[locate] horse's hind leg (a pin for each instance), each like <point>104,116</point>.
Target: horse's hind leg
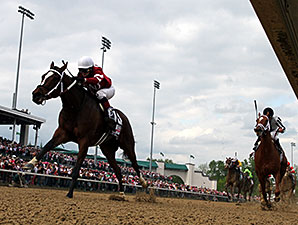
<point>109,150</point>
<point>129,151</point>
<point>127,144</point>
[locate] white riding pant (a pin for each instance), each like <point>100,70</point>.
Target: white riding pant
<point>106,92</point>
<point>274,134</point>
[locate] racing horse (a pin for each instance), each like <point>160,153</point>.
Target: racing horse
<point>287,186</point>
<point>248,187</point>
<point>268,160</point>
<point>82,121</point>
<point>233,179</point>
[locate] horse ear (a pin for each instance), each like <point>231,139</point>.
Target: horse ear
<point>64,66</point>
<point>52,65</point>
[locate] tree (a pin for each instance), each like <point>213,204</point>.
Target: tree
<point>170,161</point>
<point>177,179</point>
<point>217,172</point>
<point>204,168</point>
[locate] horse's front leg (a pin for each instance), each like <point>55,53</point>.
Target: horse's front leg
<point>264,200</point>
<point>83,149</point>
<point>232,191</point>
<point>59,137</point>
<point>227,188</point>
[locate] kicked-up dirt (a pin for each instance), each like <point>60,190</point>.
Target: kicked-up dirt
<point>48,206</point>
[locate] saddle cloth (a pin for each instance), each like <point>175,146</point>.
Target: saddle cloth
<point>118,121</point>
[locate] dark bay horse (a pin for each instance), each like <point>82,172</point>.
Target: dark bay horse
<point>233,178</point>
<point>267,159</point>
<point>82,121</point>
<point>248,187</point>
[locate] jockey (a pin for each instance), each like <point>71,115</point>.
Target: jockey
<point>250,176</point>
<point>276,127</point>
<point>100,85</point>
<point>291,173</point>
<point>249,173</point>
<point>238,165</point>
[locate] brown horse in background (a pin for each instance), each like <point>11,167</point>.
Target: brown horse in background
<point>267,159</point>
<point>287,186</point>
<point>233,178</point>
<point>82,121</point>
<point>248,187</point>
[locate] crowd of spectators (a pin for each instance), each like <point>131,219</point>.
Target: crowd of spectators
<point>13,156</point>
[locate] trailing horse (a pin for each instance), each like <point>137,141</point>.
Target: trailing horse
<point>268,160</point>
<point>233,179</point>
<point>82,121</point>
<point>287,187</point>
<point>248,187</point>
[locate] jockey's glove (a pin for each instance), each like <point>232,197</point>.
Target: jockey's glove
<point>79,79</point>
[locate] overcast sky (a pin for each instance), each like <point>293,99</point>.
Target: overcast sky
<point>212,59</point>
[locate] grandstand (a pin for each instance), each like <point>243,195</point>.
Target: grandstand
<point>56,168</point>
<point>23,118</point>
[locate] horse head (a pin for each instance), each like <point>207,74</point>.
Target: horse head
<point>262,125</point>
<point>49,82</point>
<point>228,163</point>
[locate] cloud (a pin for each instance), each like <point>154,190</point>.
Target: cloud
<point>212,60</point>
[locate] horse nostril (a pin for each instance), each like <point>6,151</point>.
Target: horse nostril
<point>36,97</point>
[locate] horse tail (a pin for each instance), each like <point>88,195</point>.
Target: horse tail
<point>126,137</point>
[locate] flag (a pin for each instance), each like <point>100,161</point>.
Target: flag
<point>191,156</point>
<point>161,154</point>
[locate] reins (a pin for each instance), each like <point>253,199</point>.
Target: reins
<point>264,128</point>
<point>60,82</point>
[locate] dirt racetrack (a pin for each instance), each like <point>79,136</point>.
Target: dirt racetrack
<point>44,206</point>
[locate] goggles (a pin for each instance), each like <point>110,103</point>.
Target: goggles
<point>82,70</point>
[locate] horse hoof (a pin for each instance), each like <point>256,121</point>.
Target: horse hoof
<point>263,202</point>
<point>277,199</point>
<point>69,195</point>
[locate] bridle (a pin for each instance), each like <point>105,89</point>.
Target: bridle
<point>260,128</point>
<point>52,72</point>
<point>229,164</point>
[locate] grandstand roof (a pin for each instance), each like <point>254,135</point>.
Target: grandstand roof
<point>119,160</point>
<point>174,166</point>
<point>146,164</point>
<point>7,117</point>
<point>279,19</point>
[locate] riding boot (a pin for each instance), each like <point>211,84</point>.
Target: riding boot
<point>109,116</point>
<point>278,146</point>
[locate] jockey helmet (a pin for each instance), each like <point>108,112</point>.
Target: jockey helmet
<point>85,62</point>
<point>268,110</point>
